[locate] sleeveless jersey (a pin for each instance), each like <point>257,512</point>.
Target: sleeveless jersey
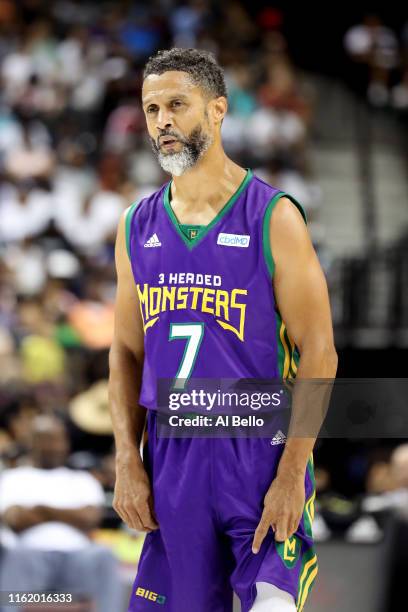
<point>207,304</point>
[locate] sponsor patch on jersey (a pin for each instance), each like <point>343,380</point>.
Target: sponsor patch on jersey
<point>233,240</point>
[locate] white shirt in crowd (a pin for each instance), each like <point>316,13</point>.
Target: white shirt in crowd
<point>61,487</point>
<point>88,230</point>
<point>21,220</point>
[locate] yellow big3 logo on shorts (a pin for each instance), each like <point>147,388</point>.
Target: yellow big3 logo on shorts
<point>151,595</point>
<point>289,551</point>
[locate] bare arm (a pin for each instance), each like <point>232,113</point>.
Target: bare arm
<point>302,298</point>
<point>85,518</point>
<point>132,498</point>
<point>20,518</point>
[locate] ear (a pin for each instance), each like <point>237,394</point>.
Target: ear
<point>218,108</point>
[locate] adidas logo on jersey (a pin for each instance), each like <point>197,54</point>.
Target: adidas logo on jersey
<point>153,242</point>
<point>279,438</point>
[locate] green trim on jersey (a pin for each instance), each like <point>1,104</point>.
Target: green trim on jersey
<point>280,345</point>
<point>309,567</point>
<point>307,576</point>
<point>191,231</point>
<point>206,228</point>
<point>266,224</point>
<point>128,220</point>
<point>288,354</point>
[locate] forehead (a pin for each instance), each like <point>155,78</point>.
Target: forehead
<point>168,84</point>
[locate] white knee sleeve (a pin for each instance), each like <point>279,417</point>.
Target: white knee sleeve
<point>271,599</point>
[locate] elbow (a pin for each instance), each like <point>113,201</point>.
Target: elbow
<point>333,359</point>
<point>322,351</point>
<point>328,356</point>
<point>120,353</point>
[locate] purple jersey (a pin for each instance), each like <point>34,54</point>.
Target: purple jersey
<point>208,304</point>
<point>209,311</point>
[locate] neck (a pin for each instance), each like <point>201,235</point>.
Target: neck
<point>210,182</point>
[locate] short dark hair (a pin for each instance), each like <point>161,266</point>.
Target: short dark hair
<point>201,65</point>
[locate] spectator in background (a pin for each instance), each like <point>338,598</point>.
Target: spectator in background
<point>51,510</point>
<point>236,26</point>
<point>391,486</point>
<point>70,55</point>
<point>388,483</point>
<point>122,125</point>
<point>373,47</point>
<point>281,90</point>
<point>241,100</point>
<point>92,317</point>
<point>29,158</point>
<point>186,22</point>
<point>26,268</point>
<point>17,414</point>
<point>74,174</point>
<point>25,211</point>
<point>16,70</point>
<point>87,222</point>
<point>399,93</point>
<point>399,473</point>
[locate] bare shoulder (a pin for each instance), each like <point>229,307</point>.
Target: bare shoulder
<point>286,217</point>
<point>290,241</point>
<point>128,328</point>
<point>121,253</point>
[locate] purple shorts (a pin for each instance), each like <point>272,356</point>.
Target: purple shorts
<point>208,497</point>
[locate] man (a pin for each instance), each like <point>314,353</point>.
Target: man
<point>190,303</point>
<point>51,510</point>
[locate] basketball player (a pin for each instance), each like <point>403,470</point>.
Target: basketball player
<point>217,278</point>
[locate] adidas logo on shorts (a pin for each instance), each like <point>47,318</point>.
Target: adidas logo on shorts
<point>153,242</point>
<point>279,438</point>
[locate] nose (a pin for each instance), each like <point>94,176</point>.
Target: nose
<point>164,120</point>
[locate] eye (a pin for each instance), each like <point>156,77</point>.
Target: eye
<point>177,103</point>
<point>151,109</point>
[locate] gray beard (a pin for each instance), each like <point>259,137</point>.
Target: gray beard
<point>193,149</point>
<point>177,163</point>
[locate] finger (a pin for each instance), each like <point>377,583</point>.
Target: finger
<point>127,516</point>
<point>294,526</point>
<point>261,532</point>
<point>117,508</point>
<point>135,519</point>
<point>152,510</point>
<point>122,514</point>
<point>282,529</point>
<point>146,517</point>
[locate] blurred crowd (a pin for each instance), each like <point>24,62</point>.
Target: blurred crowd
<point>74,154</point>
<point>379,56</point>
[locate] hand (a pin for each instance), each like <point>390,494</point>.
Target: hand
<point>133,499</point>
<point>283,509</point>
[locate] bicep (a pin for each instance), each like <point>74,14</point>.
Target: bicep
<point>128,324</point>
<point>299,283</point>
